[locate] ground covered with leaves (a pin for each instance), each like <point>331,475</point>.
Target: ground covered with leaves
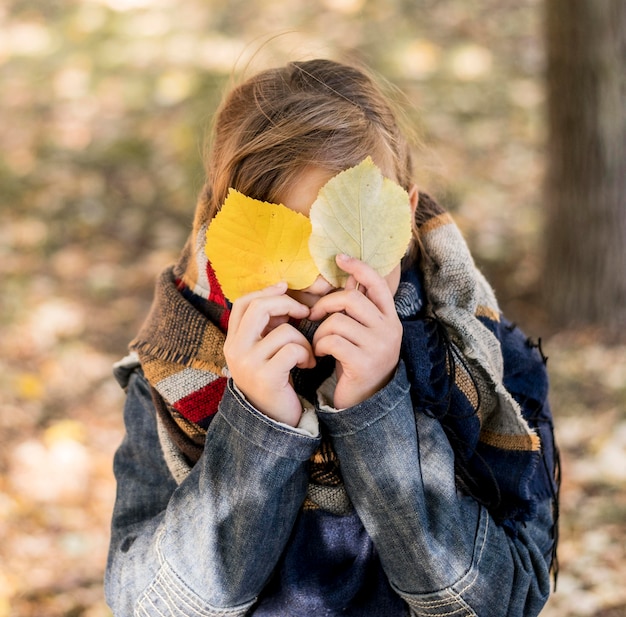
<point>104,104</point>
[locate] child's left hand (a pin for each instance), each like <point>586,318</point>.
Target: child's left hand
<point>362,332</point>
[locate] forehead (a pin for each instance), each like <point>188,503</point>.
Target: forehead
<point>303,191</point>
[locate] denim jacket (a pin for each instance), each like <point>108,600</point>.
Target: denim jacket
<point>232,539</point>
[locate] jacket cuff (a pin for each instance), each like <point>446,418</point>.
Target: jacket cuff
<point>263,432</point>
<point>354,419</point>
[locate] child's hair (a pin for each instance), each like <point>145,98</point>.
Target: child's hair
<point>318,112</point>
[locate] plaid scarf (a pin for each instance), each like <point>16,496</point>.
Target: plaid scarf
<point>180,347</point>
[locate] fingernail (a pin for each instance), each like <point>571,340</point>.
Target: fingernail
<point>343,257</point>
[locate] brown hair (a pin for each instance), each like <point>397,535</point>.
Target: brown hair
<point>278,122</point>
<point>318,112</point>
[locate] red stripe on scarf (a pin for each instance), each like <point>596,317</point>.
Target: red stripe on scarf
<point>217,295</point>
<point>203,403</point>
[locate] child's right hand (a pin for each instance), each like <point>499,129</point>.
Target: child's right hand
<point>261,348</point>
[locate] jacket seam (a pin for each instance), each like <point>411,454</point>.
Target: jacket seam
<point>473,572</point>
<point>171,590</point>
<point>368,423</point>
<point>302,440</point>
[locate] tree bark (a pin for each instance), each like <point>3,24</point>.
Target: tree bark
<point>585,234</point>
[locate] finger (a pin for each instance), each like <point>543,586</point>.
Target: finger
<point>339,324</point>
<point>352,303</point>
<point>352,283</point>
<point>291,355</point>
<point>260,312</point>
<point>338,347</point>
<point>273,323</point>
<point>376,288</point>
<point>248,359</point>
<point>282,336</point>
<point>241,304</point>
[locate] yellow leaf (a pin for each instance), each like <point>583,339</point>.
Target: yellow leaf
<point>252,244</point>
<point>30,387</point>
<point>65,430</point>
<point>364,215</point>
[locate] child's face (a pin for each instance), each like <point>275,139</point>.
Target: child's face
<point>300,197</point>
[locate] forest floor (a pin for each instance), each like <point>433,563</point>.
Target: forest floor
<point>102,106</point>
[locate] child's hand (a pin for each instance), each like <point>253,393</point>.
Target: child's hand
<point>261,348</point>
<point>363,333</point>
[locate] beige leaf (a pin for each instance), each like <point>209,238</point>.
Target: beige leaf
<point>364,215</point>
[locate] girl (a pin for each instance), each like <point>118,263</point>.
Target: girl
<point>382,450</point>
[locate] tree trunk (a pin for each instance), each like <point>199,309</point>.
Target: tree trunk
<point>585,268</point>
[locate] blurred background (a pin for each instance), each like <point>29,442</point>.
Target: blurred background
<point>104,105</point>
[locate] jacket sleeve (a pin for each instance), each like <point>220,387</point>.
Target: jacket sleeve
<point>208,545</point>
<point>441,550</point>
